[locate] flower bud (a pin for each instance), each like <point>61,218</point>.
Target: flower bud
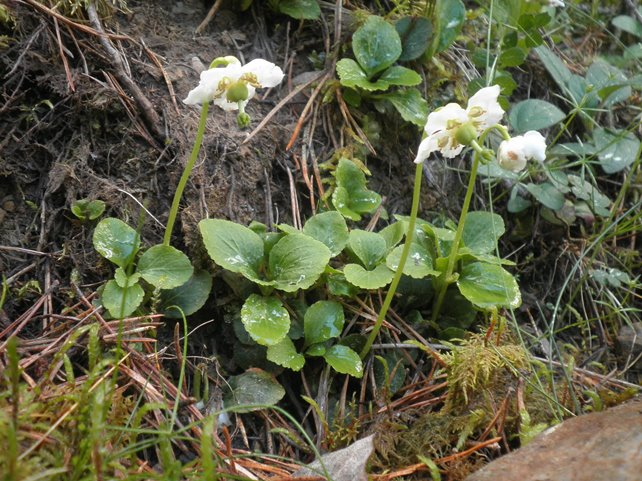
<point>513,154</point>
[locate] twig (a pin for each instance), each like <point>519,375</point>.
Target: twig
<point>280,105</point>
<point>209,16</point>
<point>149,114</point>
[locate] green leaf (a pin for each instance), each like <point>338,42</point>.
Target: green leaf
<point>254,386</point>
<point>86,209</point>
<point>376,45</point>
<point>233,246</point>
<point>344,360</point>
<point>323,321</point>
<point>547,195</point>
<point>300,9</point>
<point>512,57</point>
<point>410,104</point>
<point>189,297</point>
<point>401,76</point>
<point>284,354</point>
<point>339,286</point>
<point>297,261</point>
<point>353,76</point>
<point>123,280</point>
<point>482,230</point>
<point>609,83</point>
<point>121,302</point>
<point>616,150</point>
<point>116,241</point>
<point>329,228</point>
<point>393,234</point>
<point>265,319</point>
<point>534,114</point>
<point>584,190</point>
<point>165,267</point>
<point>379,277</point>
<point>351,197</point>
<point>317,350</point>
<point>489,286</point>
<point>568,82</point>
<point>628,24</point>
<point>517,203</point>
<point>369,247</point>
<point>450,17</point>
<point>419,263</point>
<point>415,33</point>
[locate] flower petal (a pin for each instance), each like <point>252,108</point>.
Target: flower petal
<point>208,86</point>
<point>267,74</point>
<point>486,101</point>
<point>511,155</point>
<point>427,147</point>
<point>438,120</point>
<point>535,145</point>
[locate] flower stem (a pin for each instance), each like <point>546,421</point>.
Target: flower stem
<point>402,262</point>
<point>186,173</point>
<point>448,275</point>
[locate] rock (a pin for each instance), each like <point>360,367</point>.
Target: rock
<point>629,341</point>
<point>347,464</point>
<point>597,446</point>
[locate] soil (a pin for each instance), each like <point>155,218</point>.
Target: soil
<point>71,130</point>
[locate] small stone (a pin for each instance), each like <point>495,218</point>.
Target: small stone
<point>629,341</point>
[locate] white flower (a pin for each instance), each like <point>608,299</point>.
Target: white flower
<point>232,86</point>
<point>443,128</point>
<point>513,154</point>
<point>555,3</point>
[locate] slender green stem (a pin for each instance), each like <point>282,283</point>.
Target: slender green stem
<point>402,262</point>
<point>173,212</point>
<point>448,275</point>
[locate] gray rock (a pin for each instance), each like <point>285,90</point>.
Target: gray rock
<point>601,446</point>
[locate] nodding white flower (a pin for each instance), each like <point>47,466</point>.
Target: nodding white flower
<point>513,154</point>
<point>232,86</point>
<point>452,127</point>
<point>555,3</point>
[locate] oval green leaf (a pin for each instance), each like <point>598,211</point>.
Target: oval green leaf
<point>188,298</point>
<point>410,104</point>
<point>369,247</point>
<point>489,286</point>
<point>616,150</point>
<point>253,387</point>
<point>482,230</point>
<point>353,76</point>
<point>284,354</point>
<point>233,246</point>
<point>547,195</point>
<point>415,33</point>
<point>121,302</point>
<point>351,197</point>
<point>401,76</point>
<point>376,45</point>
<point>329,228</point>
<point>534,114</point>
<point>379,277</point>
<point>300,9</point>
<point>344,360</point>
<point>418,265</point>
<point>165,267</point>
<point>116,241</point>
<point>297,261</point>
<point>322,321</point>
<point>265,319</point>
